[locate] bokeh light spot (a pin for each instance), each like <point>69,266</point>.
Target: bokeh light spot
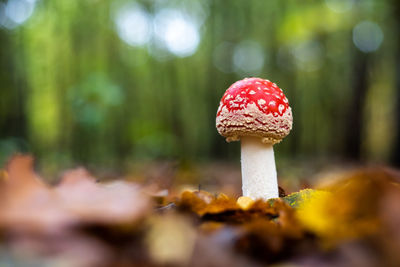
<point>178,32</point>
<point>308,55</point>
<point>367,36</point>
<point>340,6</point>
<point>133,24</point>
<point>16,12</point>
<point>249,57</point>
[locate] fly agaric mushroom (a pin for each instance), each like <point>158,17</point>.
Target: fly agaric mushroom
<point>256,112</point>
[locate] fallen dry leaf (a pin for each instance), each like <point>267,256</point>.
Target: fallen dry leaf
<point>27,203</point>
<point>112,202</point>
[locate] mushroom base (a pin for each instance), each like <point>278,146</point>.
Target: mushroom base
<point>259,178</point>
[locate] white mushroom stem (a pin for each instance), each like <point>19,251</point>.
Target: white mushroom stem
<point>259,179</point>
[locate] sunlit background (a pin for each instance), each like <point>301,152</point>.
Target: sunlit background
<point>112,83</point>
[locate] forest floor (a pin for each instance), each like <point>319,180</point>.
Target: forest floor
<point>162,215</point>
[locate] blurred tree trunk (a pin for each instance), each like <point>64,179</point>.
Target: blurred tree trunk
<point>354,122</point>
<point>396,147</point>
<point>12,97</point>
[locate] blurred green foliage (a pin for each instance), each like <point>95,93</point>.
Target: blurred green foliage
<point>110,81</point>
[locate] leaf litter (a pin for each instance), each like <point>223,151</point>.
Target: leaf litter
<point>353,220</point>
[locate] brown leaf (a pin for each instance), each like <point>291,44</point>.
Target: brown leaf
<point>201,203</point>
<point>27,203</point>
<point>112,202</point>
<point>195,201</point>
<point>224,209</point>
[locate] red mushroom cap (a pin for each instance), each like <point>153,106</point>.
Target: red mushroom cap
<point>254,107</point>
